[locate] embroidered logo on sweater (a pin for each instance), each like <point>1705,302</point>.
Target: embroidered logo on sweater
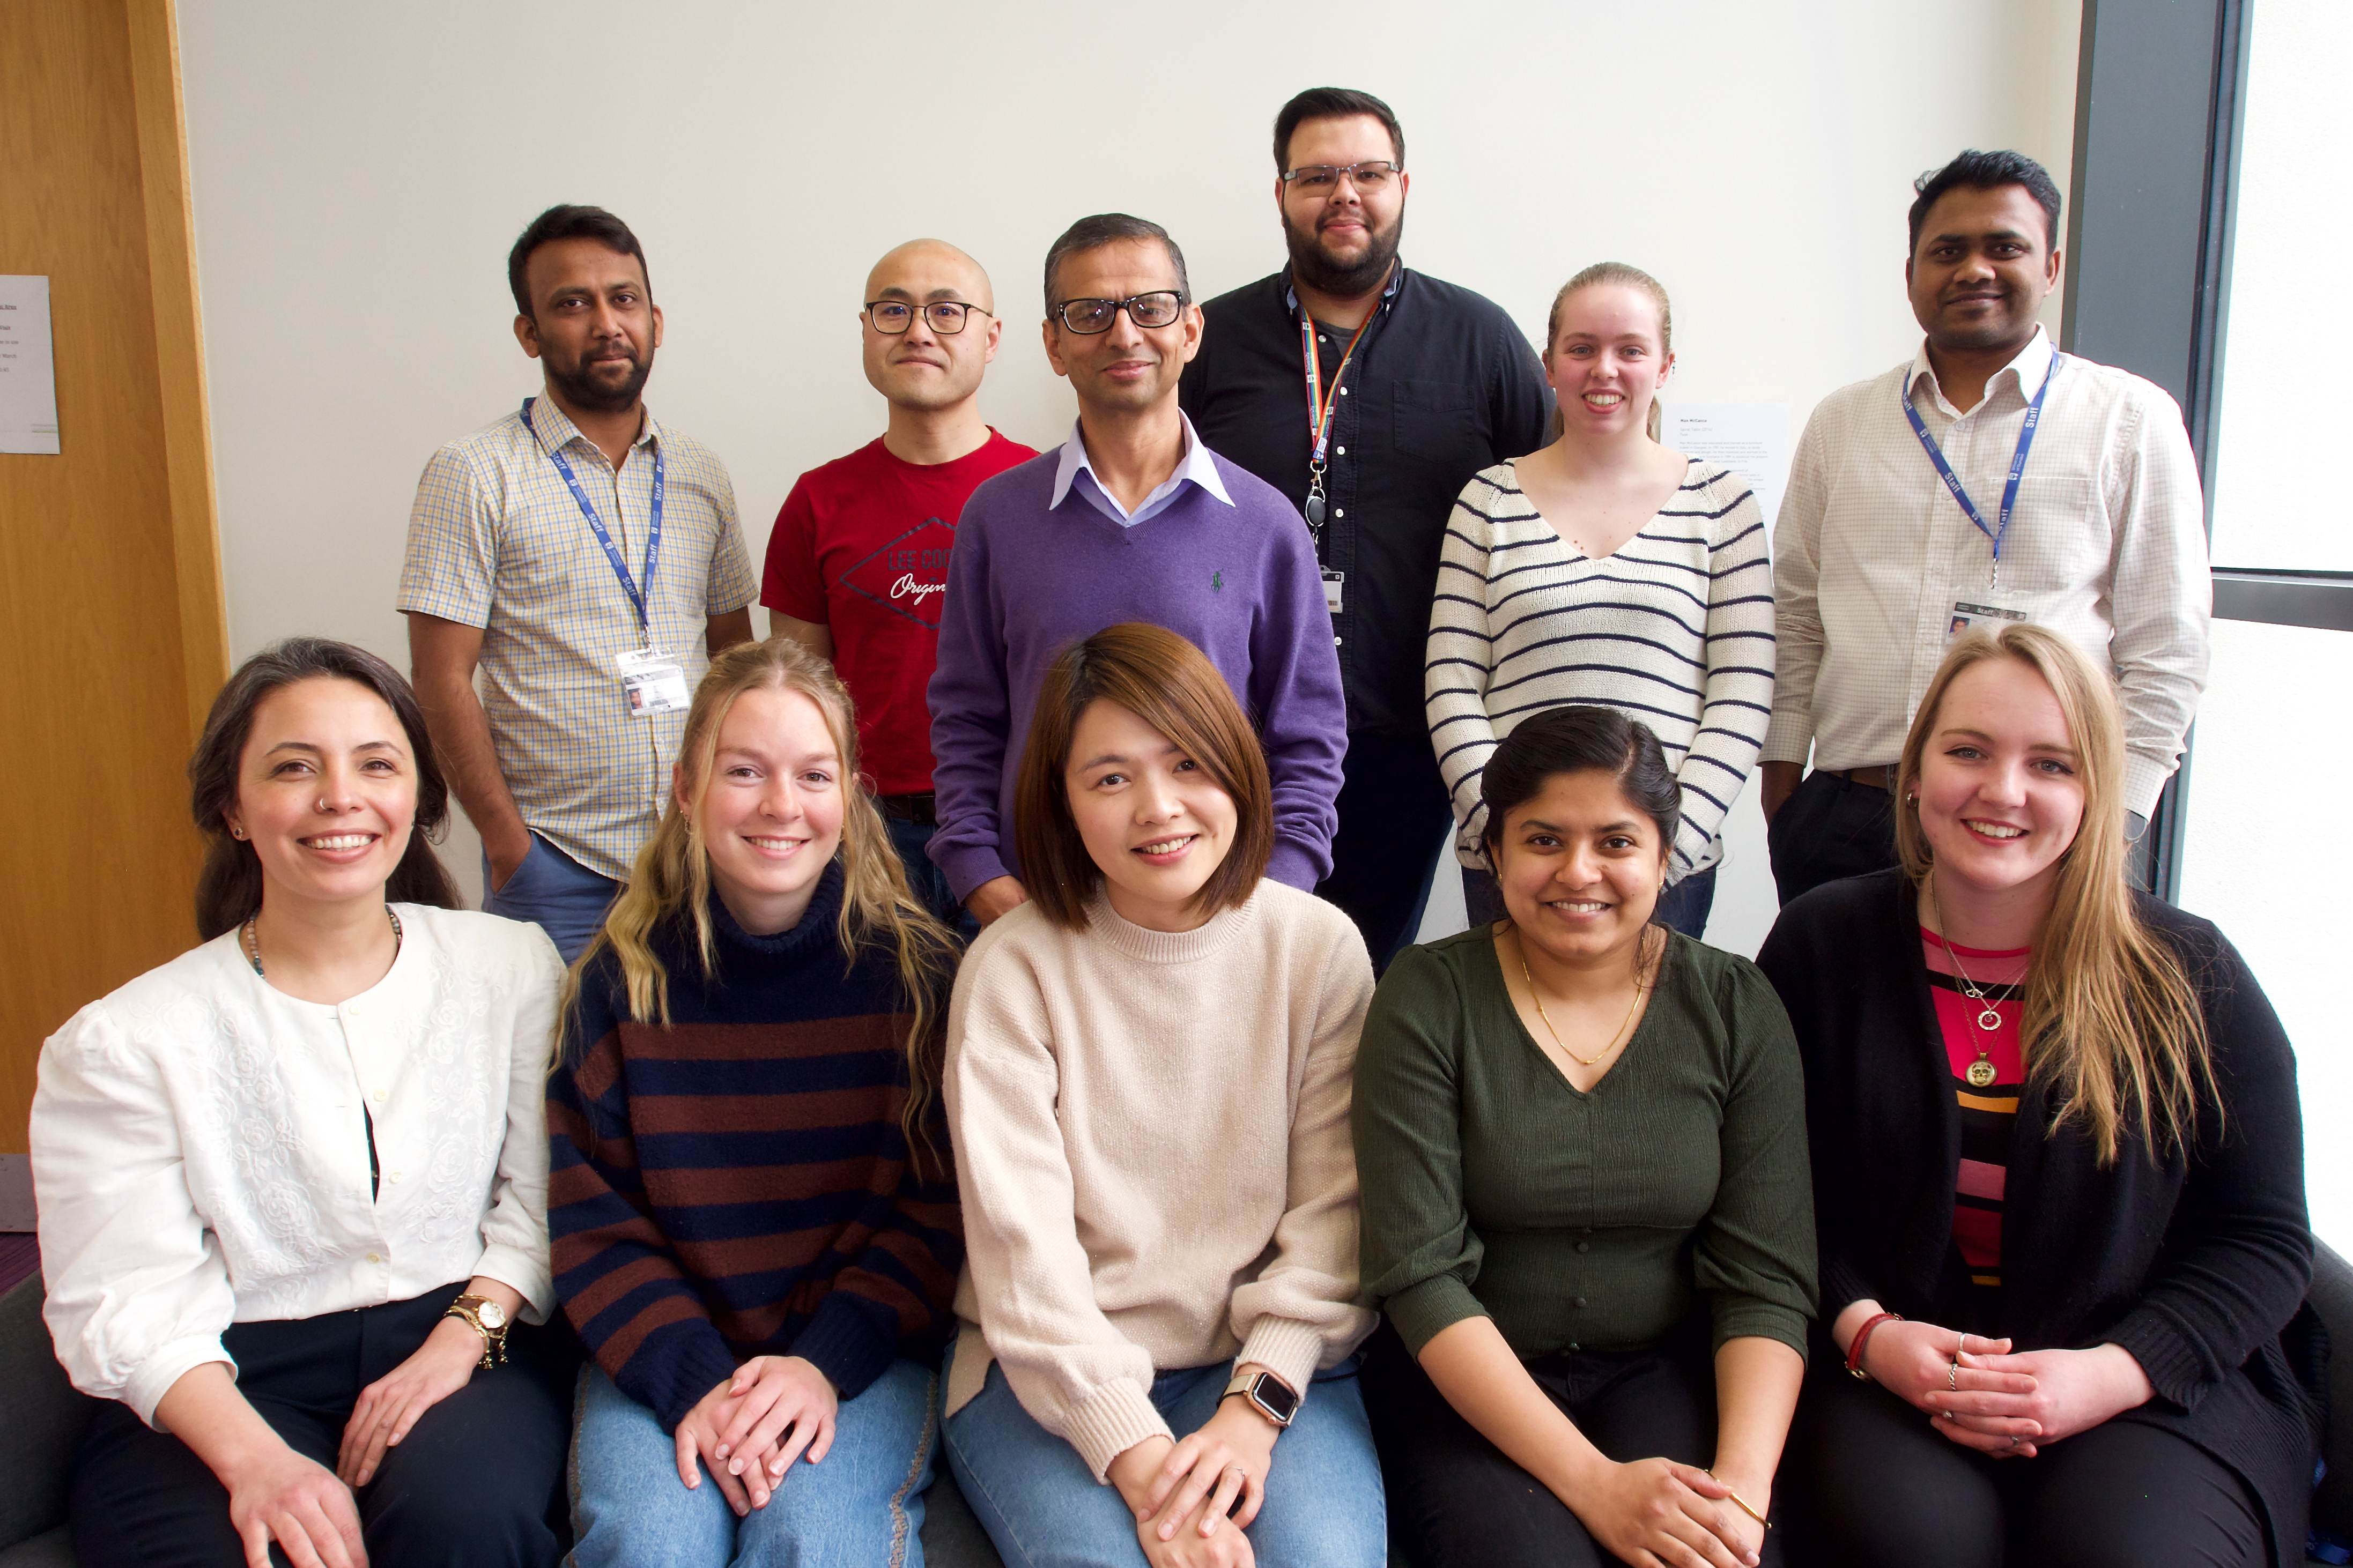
<point>909,574</point>
<point>1216,582</point>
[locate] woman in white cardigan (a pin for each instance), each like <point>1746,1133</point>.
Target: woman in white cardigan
<point>1147,1076</point>
<point>1610,571</point>
<point>292,1185</point>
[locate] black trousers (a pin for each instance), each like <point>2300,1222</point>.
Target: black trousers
<point>1887,1489</point>
<point>1828,828</point>
<point>1394,821</point>
<point>1461,1503</point>
<point>476,1483</point>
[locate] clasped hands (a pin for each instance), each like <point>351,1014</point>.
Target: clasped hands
<point>1982,1396</point>
<point>748,1430</point>
<point>1182,1492</point>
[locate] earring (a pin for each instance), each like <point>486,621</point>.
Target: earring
<point>237,833</point>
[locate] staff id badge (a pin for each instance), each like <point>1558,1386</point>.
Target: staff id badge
<point>653,681</point>
<point>1332,584</point>
<point>1989,612</point>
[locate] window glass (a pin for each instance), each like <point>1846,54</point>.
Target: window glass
<point>2262,750</point>
<point>2288,339</point>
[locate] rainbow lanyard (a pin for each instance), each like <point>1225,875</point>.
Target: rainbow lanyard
<point>1320,408</point>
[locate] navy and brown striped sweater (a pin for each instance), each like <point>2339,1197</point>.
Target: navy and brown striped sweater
<point>737,1185</point>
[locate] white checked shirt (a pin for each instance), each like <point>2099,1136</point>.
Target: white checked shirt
<point>2107,545</point>
<point>496,541</point>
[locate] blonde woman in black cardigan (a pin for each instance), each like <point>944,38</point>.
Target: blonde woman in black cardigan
<point>2058,1169</point>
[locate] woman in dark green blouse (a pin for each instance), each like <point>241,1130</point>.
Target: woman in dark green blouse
<point>1581,1138</point>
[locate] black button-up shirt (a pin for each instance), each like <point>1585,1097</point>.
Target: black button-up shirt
<point>1443,385</point>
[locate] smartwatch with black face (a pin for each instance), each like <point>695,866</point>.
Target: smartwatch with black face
<point>1268,1394</point>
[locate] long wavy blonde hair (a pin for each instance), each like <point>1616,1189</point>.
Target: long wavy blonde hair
<point>2108,1011</point>
<point>671,879</point>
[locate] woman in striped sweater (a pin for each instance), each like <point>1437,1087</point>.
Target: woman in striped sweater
<point>753,1221</point>
<point>1608,570</point>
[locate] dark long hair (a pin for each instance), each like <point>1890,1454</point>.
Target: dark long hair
<point>229,889</point>
<point>1578,739</point>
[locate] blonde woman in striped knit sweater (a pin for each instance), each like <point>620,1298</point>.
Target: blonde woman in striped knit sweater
<point>1606,569</point>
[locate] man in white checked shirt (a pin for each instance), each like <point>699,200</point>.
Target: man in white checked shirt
<point>586,561</point>
<point>1988,478</point>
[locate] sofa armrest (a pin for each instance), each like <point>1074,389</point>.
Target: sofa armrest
<point>46,1420</point>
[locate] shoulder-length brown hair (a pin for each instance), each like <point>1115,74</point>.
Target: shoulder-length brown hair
<point>229,889</point>
<point>1172,686</point>
<point>2110,1013</point>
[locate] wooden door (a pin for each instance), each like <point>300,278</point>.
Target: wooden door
<point>110,560</point>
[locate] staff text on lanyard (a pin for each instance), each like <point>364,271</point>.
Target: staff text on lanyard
<point>2016,463</point>
<point>652,681</point>
<point>1320,409</point>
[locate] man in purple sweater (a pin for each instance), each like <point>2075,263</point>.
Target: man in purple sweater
<point>1132,519</point>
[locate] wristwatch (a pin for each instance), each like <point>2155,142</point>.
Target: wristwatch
<point>1268,1394</point>
<point>486,1318</point>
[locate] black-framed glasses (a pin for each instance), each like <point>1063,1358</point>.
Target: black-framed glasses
<point>1319,179</point>
<point>945,317</point>
<point>1158,309</point>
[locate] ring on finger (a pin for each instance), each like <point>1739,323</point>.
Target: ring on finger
<point>1953,1375</point>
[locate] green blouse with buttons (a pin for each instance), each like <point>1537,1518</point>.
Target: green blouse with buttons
<point>1583,1221</point>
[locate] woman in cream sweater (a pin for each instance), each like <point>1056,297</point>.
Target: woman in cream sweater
<point>1147,1075</point>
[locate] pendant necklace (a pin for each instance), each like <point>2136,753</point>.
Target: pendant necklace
<point>1537,996</point>
<point>1981,1072</point>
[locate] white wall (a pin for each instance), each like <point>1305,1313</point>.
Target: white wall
<point>360,172</point>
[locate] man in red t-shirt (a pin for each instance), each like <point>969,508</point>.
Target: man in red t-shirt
<point>857,562</point>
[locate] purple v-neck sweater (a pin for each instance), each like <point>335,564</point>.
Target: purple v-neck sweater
<point>1025,581</point>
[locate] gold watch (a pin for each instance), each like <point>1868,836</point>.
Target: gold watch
<point>486,1318</point>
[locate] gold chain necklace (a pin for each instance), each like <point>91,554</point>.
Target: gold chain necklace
<point>1537,996</point>
<point>1981,1072</point>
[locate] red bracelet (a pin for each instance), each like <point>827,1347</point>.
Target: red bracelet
<point>1854,1346</point>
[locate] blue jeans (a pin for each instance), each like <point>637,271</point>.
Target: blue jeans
<point>862,1503</point>
<point>928,882</point>
<point>1041,1506</point>
<point>1683,906</point>
<point>555,892</point>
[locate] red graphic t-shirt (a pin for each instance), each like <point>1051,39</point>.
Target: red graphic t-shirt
<point>860,546</point>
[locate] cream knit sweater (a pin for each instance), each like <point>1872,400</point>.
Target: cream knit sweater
<point>1152,1142</point>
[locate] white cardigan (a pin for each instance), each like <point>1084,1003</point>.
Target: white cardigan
<point>200,1156</point>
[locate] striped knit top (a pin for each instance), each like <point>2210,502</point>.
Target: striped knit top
<point>737,1185</point>
<point>1674,628</point>
<point>1988,1100</point>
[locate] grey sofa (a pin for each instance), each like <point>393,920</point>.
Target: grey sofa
<point>42,1420</point>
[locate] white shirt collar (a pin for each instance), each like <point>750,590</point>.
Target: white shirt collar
<point>1197,465</point>
<point>2028,368</point>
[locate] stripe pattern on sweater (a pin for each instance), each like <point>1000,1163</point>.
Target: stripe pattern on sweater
<point>1674,628</point>
<point>737,1185</point>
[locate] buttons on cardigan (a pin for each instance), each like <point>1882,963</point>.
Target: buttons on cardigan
<point>1583,1246</point>
<point>1579,1303</point>
<point>374,1258</point>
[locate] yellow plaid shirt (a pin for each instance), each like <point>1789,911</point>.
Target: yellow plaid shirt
<point>496,541</point>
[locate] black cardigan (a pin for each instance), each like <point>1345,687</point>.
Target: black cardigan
<point>2197,1263</point>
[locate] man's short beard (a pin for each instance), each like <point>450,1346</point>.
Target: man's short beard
<point>584,392</point>
<point>1312,267</point>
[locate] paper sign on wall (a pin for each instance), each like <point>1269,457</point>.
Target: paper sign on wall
<point>1752,439</point>
<point>28,379</point>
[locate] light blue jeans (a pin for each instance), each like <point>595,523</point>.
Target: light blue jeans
<point>862,1503</point>
<point>555,892</point>
<point>1041,1506</point>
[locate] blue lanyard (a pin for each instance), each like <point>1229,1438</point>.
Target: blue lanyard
<point>2017,461</point>
<point>637,599</point>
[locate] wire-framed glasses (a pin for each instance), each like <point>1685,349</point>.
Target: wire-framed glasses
<point>1318,179</point>
<point>944,316</point>
<point>1158,309</point>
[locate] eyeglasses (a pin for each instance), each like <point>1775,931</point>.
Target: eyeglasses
<point>1088,317</point>
<point>1318,179</point>
<point>945,317</point>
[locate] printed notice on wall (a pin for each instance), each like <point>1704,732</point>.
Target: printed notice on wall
<point>28,380</point>
<point>1752,439</point>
